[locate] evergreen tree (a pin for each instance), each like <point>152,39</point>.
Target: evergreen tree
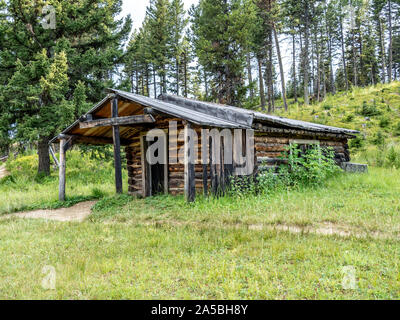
<point>178,23</point>
<point>221,33</point>
<point>51,66</point>
<point>158,27</point>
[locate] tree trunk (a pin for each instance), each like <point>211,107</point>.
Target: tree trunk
<point>278,52</point>
<point>250,75</point>
<point>147,81</point>
<point>269,75</point>
<point>294,69</point>
<point>164,81</point>
<point>354,59</point>
<point>318,82</point>
<point>177,76</point>
<point>44,157</point>
<point>390,43</point>
<point>206,83</point>
<point>306,59</point>
<point>137,80</point>
<point>344,56</point>
<point>186,76</point>
<point>261,84</point>
<point>331,76</point>
<point>382,45</point>
<point>154,83</point>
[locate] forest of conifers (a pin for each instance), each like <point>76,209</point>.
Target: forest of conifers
<point>227,51</point>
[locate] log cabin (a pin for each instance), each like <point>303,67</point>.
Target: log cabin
<point>124,119</point>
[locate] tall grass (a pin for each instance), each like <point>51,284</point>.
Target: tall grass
<point>369,110</point>
<point>86,178</point>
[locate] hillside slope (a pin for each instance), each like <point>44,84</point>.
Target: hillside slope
<point>368,110</point>
<point>374,111</point>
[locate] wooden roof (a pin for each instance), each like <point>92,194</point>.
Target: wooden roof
<point>196,112</point>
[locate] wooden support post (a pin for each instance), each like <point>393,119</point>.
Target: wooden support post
<point>213,168</point>
<point>189,174</point>
<point>205,139</point>
<point>54,156</point>
<point>227,155</point>
<point>117,148</point>
<point>61,186</point>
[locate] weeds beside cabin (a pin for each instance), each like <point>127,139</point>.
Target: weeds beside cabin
<point>125,119</point>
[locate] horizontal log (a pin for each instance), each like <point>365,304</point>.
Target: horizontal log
<point>269,139</point>
<point>269,154</point>
<point>267,129</point>
<point>78,139</point>
<point>120,121</point>
<point>267,160</point>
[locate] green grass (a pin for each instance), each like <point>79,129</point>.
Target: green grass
<point>123,261</point>
<point>368,203</point>
<point>369,110</point>
<point>165,248</point>
<point>86,179</point>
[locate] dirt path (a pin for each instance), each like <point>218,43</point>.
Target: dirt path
<point>77,213</point>
<point>322,229</point>
<point>327,229</point>
<point>3,171</point>
<point>81,211</point>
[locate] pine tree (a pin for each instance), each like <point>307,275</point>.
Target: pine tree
<point>178,23</point>
<point>48,64</point>
<point>220,35</point>
<point>158,27</point>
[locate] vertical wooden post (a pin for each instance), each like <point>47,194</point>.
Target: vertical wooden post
<point>205,158</point>
<point>117,148</point>
<point>228,160</point>
<point>61,172</point>
<point>213,166</point>
<point>189,174</point>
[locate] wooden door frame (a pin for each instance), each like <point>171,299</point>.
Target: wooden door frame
<point>146,173</point>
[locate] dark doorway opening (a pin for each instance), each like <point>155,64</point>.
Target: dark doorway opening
<point>156,175</point>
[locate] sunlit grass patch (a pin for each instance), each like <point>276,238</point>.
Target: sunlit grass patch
<point>86,179</point>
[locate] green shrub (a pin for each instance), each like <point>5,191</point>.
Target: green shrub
<point>310,169</point>
<point>7,180</point>
<point>357,143</point>
<point>369,110</point>
<point>384,122</point>
<point>349,118</point>
<point>98,193</point>
<point>23,166</point>
<point>396,131</point>
<point>378,139</point>
<point>392,158</point>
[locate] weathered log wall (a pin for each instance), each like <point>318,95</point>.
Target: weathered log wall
<point>272,147</point>
<point>175,171</point>
<point>269,147</point>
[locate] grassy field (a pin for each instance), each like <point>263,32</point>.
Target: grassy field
<point>164,248</point>
<point>374,111</point>
<point>227,248</point>
<point>369,110</point>
<point>24,190</point>
<point>367,203</point>
<point>125,261</point>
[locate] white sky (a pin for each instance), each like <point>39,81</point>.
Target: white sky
<point>137,9</point>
